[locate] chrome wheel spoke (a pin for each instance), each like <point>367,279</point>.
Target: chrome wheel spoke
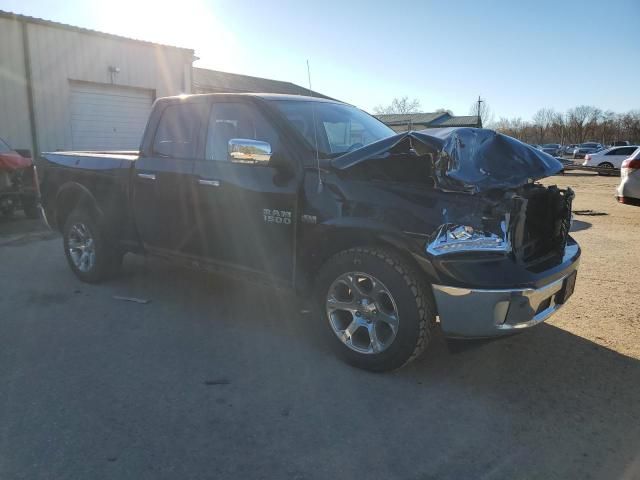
<point>356,288</point>
<point>351,329</point>
<point>390,319</point>
<point>375,343</point>
<point>335,304</point>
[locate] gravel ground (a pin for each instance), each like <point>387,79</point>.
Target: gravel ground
<point>220,379</point>
<point>605,308</point>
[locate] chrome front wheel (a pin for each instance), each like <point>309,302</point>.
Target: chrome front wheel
<point>362,312</point>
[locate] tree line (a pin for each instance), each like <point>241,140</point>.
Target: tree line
<point>577,125</point>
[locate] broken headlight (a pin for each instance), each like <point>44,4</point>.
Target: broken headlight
<point>452,238</point>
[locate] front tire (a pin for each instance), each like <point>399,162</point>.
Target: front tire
<point>90,254</point>
<point>377,309</point>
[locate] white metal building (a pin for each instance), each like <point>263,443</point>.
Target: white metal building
<point>64,87</point>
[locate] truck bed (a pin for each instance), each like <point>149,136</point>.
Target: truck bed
<point>104,175</point>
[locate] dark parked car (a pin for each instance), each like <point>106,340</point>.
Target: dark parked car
<point>383,231</point>
<point>584,148</point>
<point>554,149</point>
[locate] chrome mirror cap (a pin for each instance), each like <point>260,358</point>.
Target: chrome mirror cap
<point>245,150</point>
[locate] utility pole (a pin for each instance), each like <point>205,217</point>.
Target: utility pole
<point>479,103</point>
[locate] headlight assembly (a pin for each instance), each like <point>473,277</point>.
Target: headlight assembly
<point>452,238</point>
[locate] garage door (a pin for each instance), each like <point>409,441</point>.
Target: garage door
<point>107,117</point>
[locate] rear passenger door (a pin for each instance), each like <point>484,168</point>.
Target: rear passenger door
<point>245,211</point>
<point>164,187</point>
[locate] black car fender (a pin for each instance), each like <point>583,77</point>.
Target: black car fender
<point>336,235</point>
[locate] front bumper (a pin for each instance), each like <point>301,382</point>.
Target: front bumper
<point>482,313</point>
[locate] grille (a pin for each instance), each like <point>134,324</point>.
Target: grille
<point>547,223</point>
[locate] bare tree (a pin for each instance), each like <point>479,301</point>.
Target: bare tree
<point>542,121</point>
<point>581,122</point>
<point>558,128</point>
<point>483,110</point>
<point>399,105</point>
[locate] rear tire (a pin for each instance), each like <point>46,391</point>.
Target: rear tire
<point>371,296</point>
<point>30,207</point>
<point>90,254</point>
<point>8,210</point>
<point>605,165</point>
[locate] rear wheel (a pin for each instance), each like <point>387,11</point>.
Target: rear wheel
<point>89,252</point>
<point>30,207</point>
<point>377,309</point>
<point>606,165</point>
<point>7,208</point>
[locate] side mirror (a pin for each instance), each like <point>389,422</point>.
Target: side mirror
<point>244,150</point>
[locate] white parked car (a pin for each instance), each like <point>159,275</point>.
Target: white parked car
<point>609,157</point>
<point>629,189</point>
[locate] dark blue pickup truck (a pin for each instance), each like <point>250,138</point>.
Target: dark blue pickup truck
<point>387,233</point>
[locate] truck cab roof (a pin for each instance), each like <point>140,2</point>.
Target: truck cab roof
<point>263,96</point>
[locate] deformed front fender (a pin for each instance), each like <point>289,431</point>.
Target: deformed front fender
<point>336,235</point>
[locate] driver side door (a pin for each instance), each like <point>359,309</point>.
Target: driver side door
<point>245,210</point>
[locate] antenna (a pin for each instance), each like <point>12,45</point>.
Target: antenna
<point>315,131</point>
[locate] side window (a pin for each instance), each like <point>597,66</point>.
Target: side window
<point>626,151</point>
<point>178,130</point>
<point>235,120</point>
<point>343,135</point>
<point>615,151</point>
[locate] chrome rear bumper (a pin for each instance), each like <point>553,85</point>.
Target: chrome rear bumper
<point>477,313</point>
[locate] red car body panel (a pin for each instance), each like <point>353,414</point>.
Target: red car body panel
<point>13,161</point>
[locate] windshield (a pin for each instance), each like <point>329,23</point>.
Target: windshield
<point>340,128</point>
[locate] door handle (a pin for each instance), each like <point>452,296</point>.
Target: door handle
<point>209,183</point>
<point>147,176</point>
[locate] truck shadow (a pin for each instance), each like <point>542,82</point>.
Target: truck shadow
<point>579,225</point>
<point>545,403</point>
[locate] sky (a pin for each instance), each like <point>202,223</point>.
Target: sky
<point>518,55</point>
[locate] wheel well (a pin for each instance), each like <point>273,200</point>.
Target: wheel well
<point>71,197</point>
<point>332,243</point>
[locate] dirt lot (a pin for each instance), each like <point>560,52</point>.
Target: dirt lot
<point>219,379</point>
<point>606,306</point>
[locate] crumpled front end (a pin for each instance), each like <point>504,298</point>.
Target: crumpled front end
<point>510,270</point>
<point>499,257</point>
<point>469,160</point>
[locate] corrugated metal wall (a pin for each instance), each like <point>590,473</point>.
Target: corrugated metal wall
<point>14,106</point>
<point>60,56</point>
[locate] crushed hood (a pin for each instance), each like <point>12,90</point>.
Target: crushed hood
<point>465,159</point>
